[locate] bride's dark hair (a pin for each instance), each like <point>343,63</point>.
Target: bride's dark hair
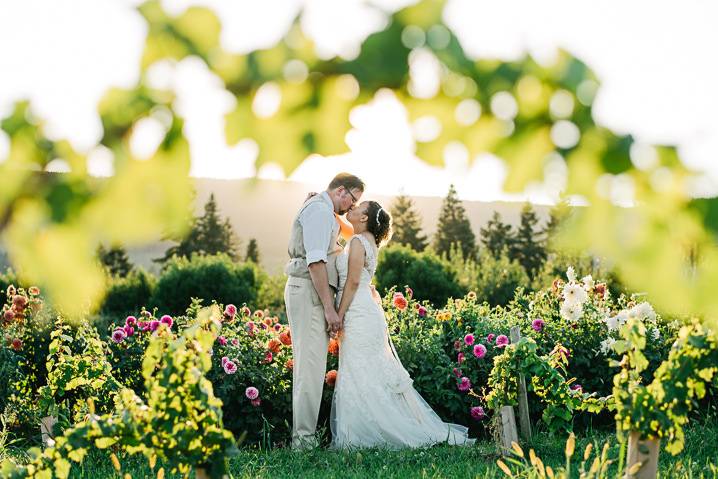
<point>379,222</point>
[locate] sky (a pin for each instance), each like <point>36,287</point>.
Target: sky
<point>655,60</point>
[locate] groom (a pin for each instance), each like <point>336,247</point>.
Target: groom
<point>309,296</point>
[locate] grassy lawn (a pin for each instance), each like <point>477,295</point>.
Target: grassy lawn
<point>697,460</point>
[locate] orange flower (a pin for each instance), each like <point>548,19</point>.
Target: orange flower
<point>400,301</point>
<point>289,364</point>
<point>268,321</point>
<point>274,345</point>
<point>331,377</point>
<point>285,338</point>
<point>334,347</point>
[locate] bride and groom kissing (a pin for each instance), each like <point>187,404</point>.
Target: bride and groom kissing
<point>329,294</point>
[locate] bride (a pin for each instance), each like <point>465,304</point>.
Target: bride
<point>374,402</point>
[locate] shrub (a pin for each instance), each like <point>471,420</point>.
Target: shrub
<point>497,279</point>
<point>207,277</point>
<point>128,294</point>
<point>431,278</point>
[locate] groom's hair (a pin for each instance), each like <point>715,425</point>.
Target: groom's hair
<point>348,181</point>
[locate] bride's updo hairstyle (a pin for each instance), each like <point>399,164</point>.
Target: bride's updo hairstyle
<point>379,222</point>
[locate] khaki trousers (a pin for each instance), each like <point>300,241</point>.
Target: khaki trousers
<point>309,347</point>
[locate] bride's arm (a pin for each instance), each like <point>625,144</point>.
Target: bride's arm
<point>356,263</point>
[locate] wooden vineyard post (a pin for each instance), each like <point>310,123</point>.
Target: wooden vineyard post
<point>524,420</point>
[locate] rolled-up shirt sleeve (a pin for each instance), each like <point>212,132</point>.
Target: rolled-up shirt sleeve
<point>317,224</point>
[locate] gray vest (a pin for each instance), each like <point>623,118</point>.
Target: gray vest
<point>297,265</point>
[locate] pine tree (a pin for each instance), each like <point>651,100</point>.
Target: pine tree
<point>114,260</point>
<point>558,214</point>
<point>497,236</point>
<point>529,244</point>
<point>454,227</point>
<point>406,224</point>
<point>252,251</point>
<point>209,235</point>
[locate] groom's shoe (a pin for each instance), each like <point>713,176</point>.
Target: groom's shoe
<point>304,443</point>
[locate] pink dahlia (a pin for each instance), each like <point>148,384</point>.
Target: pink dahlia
<point>129,330</point>
<point>460,358</point>
<point>131,321</point>
<point>490,338</point>
<point>252,393</point>
<point>479,351</point>
<point>9,315</point>
<point>256,402</point>
<point>229,367</point>
<point>268,357</point>
<point>225,359</point>
<point>422,311</point>
<point>230,310</point>
<point>235,342</point>
<point>576,387</point>
<point>277,327</point>
<point>457,372</point>
<point>118,335</point>
<point>469,339</point>
<point>502,341</point>
<point>478,413</point>
<point>537,324</point>
<point>143,325</point>
<point>154,324</point>
<point>457,345</point>
<point>409,292</point>
<point>167,319</point>
<point>464,384</point>
<point>222,340</point>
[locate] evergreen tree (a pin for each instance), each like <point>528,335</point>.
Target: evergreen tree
<point>497,236</point>
<point>529,244</point>
<point>252,251</point>
<point>454,227</point>
<point>558,214</point>
<point>114,260</point>
<point>406,224</point>
<point>209,235</point>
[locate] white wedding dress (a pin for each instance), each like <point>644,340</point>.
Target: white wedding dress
<point>374,403</point>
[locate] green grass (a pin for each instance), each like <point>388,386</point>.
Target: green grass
<point>696,461</point>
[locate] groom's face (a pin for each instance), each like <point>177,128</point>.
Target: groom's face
<point>347,199</point>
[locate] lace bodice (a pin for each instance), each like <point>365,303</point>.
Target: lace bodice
<point>370,262</point>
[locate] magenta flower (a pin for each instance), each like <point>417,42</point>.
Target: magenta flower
<point>263,325</point>
<point>537,324</point>
<point>490,338</point>
<point>464,384</point>
<point>256,402</point>
<point>230,310</point>
<point>268,357</point>
<point>129,330</point>
<point>222,340</point>
<point>478,413</point>
<point>502,341</point>
<point>422,311</point>
<point>457,345</point>
<point>246,311</point>
<point>277,327</point>
<point>576,387</point>
<point>118,335</point>
<point>252,393</point>
<point>154,324</point>
<point>409,292</point>
<point>143,325</point>
<point>469,339</point>
<point>167,319</point>
<point>479,351</point>
<point>251,326</point>
<point>457,372</point>
<point>235,342</point>
<point>460,358</point>
<point>229,367</point>
<point>224,360</point>
<point>130,321</point>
